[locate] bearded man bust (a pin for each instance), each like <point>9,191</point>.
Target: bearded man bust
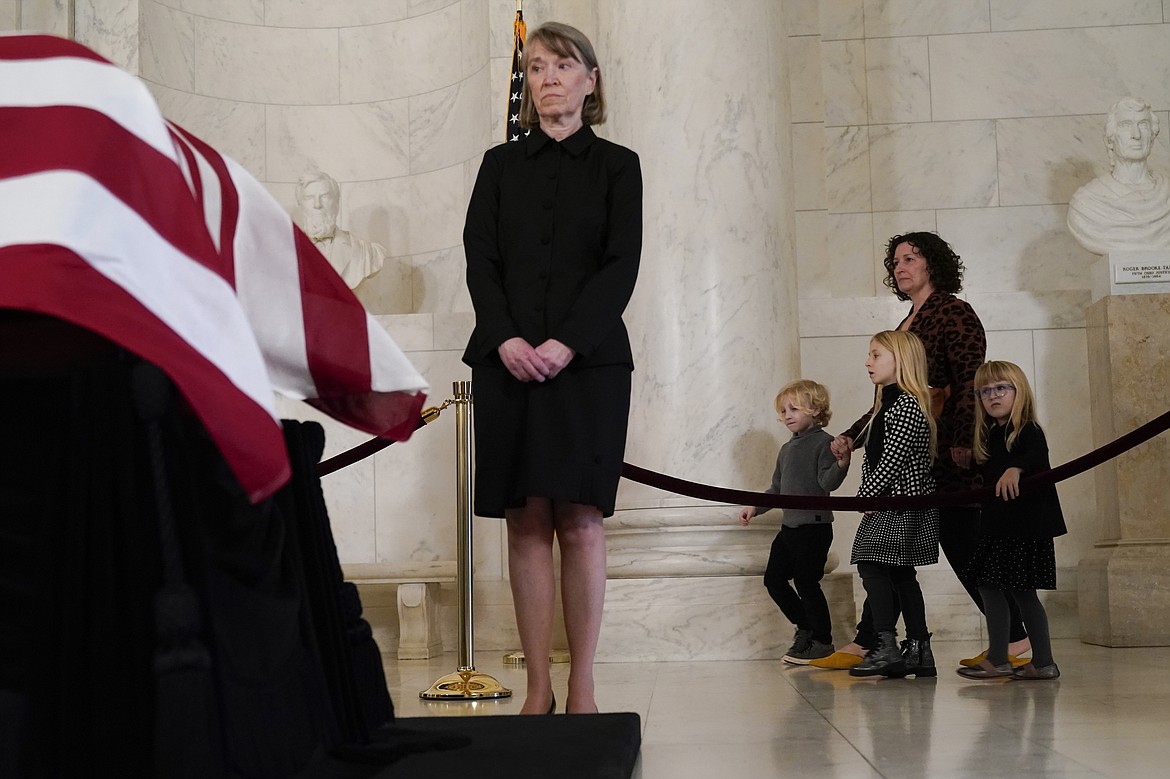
<point>319,200</point>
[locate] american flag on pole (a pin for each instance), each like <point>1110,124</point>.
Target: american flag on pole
<point>124,224</point>
<point>516,83</point>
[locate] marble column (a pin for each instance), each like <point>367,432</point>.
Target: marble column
<point>713,319</point>
<point>1124,581</point>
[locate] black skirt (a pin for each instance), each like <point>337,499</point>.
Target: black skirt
<point>1014,563</point>
<point>563,439</point>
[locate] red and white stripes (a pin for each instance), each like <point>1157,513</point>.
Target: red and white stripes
<point>113,220</point>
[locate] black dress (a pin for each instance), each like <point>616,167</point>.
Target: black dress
<point>1016,550</point>
<point>553,240</point>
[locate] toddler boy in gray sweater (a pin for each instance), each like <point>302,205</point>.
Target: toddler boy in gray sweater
<point>805,466</point>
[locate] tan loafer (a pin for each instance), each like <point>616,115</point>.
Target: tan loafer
<point>1016,662</point>
<point>838,661</point>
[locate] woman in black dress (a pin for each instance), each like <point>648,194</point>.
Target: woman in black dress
<point>553,239</point>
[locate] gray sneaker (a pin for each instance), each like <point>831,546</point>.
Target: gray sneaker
<point>814,651</point>
<point>800,642</point>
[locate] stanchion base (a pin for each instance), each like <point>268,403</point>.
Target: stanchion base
<point>555,656</point>
<point>465,684</point>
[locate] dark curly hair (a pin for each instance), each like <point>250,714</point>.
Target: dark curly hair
<point>944,266</point>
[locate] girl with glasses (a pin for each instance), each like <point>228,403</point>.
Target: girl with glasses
<point>1016,555</point>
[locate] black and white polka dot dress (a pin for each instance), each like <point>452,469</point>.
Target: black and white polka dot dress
<point>903,468</point>
<point>1014,563</point>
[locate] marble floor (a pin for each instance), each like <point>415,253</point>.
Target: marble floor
<point>1108,715</point>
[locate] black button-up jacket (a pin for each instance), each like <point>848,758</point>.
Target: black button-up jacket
<point>553,239</point>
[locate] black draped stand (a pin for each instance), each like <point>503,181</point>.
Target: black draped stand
<point>154,623</point>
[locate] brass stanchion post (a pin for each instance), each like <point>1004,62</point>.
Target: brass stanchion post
<point>466,683</point>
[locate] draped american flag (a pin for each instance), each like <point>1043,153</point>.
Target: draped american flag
<point>127,225</point>
<point>516,82</point>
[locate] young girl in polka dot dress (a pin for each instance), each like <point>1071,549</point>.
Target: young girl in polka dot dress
<point>1016,555</point>
<point>900,440</point>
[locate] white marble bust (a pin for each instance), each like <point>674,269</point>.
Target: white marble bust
<point>1129,207</point>
<point>319,200</point>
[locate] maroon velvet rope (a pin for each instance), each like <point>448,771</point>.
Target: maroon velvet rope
<point>810,502</point>
<point>359,452</point>
<point>933,500</point>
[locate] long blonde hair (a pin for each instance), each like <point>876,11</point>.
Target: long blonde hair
<point>909,373</point>
<point>1023,403</point>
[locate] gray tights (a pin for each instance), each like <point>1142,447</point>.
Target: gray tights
<point>995,601</point>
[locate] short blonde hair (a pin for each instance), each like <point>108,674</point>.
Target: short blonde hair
<point>806,396</point>
<point>564,41</point>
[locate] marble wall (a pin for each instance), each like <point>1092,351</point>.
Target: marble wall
<point>975,118</point>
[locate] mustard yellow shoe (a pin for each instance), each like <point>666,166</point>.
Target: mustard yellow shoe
<point>838,661</point>
<point>971,662</point>
<point>1016,662</point>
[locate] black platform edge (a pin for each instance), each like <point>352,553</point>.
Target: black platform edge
<point>558,746</point>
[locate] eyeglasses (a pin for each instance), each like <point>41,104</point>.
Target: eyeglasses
<point>997,391</point>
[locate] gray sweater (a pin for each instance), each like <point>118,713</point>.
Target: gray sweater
<point>805,466</point>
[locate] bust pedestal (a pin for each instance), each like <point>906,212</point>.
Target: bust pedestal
<point>1123,582</point>
<point>1132,273</point>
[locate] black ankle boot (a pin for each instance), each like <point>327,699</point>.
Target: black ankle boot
<point>918,657</point>
<point>883,660</point>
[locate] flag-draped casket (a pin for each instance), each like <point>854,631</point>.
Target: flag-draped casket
<point>116,220</point>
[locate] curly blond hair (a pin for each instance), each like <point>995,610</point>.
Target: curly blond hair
<point>807,396</point>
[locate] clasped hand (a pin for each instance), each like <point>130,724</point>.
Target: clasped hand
<point>538,364</point>
<point>842,449</point>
